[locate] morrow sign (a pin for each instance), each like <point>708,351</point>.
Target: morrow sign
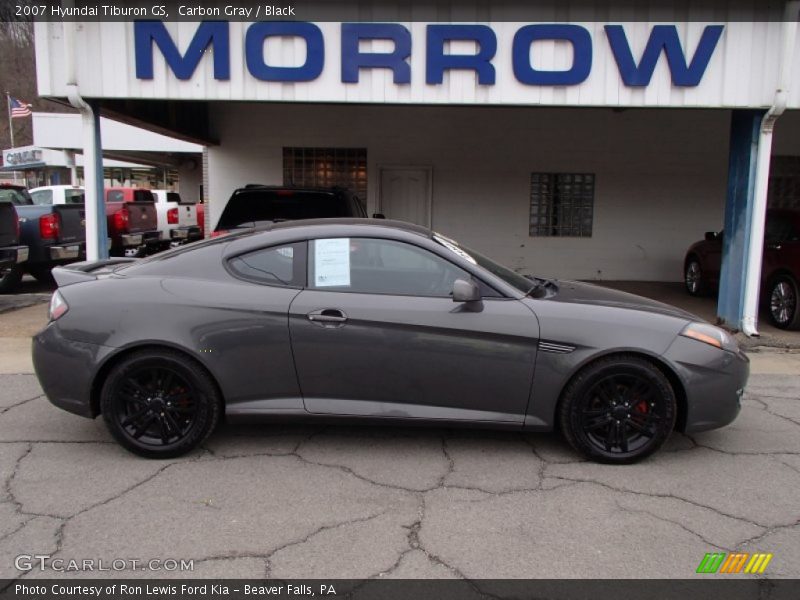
<point>212,40</point>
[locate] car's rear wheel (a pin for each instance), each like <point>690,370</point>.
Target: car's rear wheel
<point>9,279</point>
<point>693,277</point>
<point>618,410</point>
<point>159,403</point>
<point>783,303</point>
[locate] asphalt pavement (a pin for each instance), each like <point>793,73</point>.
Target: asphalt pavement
<point>296,501</point>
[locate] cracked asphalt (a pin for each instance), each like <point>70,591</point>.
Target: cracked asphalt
<point>293,501</point>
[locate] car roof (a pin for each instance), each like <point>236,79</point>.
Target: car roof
<point>258,187</point>
<point>350,221</point>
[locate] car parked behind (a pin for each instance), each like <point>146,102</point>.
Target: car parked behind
<point>256,204</point>
<point>12,254</point>
<point>132,222</point>
<point>54,234</point>
<point>177,220</point>
<point>780,267</point>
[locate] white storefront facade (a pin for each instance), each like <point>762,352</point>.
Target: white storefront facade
<point>591,149</point>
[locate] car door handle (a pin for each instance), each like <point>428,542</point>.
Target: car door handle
<point>773,246</point>
<point>327,316</point>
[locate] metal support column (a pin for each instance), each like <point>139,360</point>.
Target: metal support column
<point>96,229</point>
<point>739,212</point>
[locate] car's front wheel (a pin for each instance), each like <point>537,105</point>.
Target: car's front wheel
<point>783,303</point>
<point>618,410</point>
<point>693,277</point>
<point>159,403</point>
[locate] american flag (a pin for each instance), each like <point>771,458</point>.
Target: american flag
<point>18,108</point>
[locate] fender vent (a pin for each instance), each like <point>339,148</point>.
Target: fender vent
<point>555,348</point>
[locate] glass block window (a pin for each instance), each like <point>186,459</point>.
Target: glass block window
<point>784,182</point>
<point>326,167</point>
<point>562,204</point>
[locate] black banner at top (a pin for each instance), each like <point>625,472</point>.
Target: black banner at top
<point>543,11</point>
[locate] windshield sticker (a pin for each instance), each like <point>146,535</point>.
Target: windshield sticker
<point>332,262</point>
<point>451,245</point>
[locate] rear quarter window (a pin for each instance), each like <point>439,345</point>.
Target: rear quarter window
<point>42,197</point>
<point>278,265</point>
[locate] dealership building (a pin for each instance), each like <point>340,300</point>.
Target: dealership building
<point>588,144</point>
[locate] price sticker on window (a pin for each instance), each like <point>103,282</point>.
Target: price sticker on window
<point>332,262</point>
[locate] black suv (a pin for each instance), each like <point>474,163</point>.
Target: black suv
<point>254,204</point>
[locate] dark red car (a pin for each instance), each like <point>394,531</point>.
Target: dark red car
<point>780,270</point>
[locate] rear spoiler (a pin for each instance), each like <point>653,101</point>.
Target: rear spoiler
<point>86,271</point>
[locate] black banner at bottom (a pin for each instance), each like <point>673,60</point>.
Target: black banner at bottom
<point>399,589</point>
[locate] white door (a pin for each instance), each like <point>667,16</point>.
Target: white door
<point>405,194</point>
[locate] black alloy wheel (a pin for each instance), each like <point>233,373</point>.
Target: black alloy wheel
<point>783,303</point>
<point>618,410</point>
<point>159,404</point>
<point>693,277</point>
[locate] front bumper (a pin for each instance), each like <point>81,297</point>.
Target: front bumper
<point>66,369</point>
<point>714,381</point>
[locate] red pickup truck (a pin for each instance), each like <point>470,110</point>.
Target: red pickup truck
<point>132,222</point>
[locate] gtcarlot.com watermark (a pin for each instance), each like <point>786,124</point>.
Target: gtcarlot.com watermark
<point>45,562</point>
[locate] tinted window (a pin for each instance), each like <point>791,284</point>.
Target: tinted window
<point>249,206</point>
<point>279,265</point>
<point>173,197</point>
<point>74,196</point>
<point>15,196</point>
<point>115,196</point>
<point>779,229</point>
<point>372,266</point>
<point>43,197</point>
<point>143,196</point>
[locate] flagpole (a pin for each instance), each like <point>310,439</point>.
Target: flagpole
<point>10,126</point>
<point>10,119</point>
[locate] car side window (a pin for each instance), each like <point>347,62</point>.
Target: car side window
<point>376,266</point>
<point>279,265</point>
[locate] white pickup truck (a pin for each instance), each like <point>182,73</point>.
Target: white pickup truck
<point>177,221</point>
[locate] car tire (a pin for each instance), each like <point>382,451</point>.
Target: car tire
<point>693,277</point>
<point>782,301</point>
<point>42,275</point>
<point>159,403</point>
<point>9,280</point>
<point>618,410</point>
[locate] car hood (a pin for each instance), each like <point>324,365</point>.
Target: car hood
<point>577,292</point>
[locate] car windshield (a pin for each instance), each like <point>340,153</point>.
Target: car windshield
<point>250,206</point>
<point>512,278</point>
<point>17,197</point>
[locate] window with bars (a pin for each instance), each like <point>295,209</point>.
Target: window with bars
<point>562,204</point>
<point>327,167</point>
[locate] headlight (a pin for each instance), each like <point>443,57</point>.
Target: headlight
<point>708,334</point>
<point>58,306</point>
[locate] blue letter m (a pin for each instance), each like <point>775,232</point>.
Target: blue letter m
<point>662,37</point>
<point>209,34</point>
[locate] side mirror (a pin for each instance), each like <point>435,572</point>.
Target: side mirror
<point>711,236</point>
<point>467,292</point>
<point>378,216</point>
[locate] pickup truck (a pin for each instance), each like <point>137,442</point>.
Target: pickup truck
<point>12,254</point>
<point>54,235</point>
<point>177,220</point>
<point>132,222</point>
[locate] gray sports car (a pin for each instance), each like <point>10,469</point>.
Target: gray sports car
<point>374,321</point>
